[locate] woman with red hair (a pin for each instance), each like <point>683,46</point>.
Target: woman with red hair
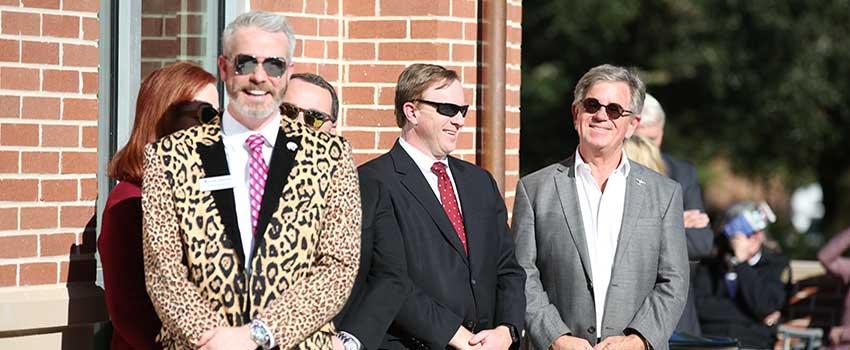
<point>161,108</point>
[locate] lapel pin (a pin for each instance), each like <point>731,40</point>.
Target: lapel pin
<point>640,182</point>
<point>292,146</point>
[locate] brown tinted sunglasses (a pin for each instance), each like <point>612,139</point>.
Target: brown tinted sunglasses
<point>312,117</point>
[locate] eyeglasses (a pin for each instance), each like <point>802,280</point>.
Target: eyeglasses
<point>312,117</point>
<point>206,113</point>
<point>184,115</point>
<point>614,111</point>
<point>197,111</point>
<point>246,64</point>
<point>446,109</point>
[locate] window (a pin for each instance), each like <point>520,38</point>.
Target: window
<point>137,37</point>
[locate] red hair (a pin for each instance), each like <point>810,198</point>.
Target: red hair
<point>176,83</point>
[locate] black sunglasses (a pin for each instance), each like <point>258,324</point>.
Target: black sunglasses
<point>246,64</point>
<point>206,113</point>
<point>614,111</point>
<point>446,109</point>
<point>312,117</point>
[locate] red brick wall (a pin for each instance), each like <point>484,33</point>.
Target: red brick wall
<point>362,46</point>
<point>48,139</point>
<point>171,28</point>
<point>48,102</point>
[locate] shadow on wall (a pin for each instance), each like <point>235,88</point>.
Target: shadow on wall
<point>86,305</point>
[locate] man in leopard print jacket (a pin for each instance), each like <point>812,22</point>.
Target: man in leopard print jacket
<point>251,222</point>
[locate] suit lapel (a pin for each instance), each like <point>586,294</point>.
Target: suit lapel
<point>415,183</point>
<point>565,182</point>
<point>280,165</point>
<point>468,197</point>
<point>634,202</point>
<point>214,163</point>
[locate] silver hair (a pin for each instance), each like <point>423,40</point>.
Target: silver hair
<point>611,73</point>
<point>652,113</point>
<point>265,21</point>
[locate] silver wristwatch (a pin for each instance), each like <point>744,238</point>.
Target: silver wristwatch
<point>349,341</point>
<point>260,334</point>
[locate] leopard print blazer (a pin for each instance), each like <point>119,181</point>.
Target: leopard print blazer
<point>303,265</point>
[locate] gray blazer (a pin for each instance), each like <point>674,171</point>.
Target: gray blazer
<point>649,283</point>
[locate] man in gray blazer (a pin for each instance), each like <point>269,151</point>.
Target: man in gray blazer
<point>601,239</point>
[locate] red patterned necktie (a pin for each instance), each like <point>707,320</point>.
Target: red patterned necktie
<point>447,196</point>
<point>258,172</point>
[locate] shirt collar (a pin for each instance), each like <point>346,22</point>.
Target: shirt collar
<point>755,259</point>
<point>422,160</point>
<point>623,168</point>
<point>234,130</point>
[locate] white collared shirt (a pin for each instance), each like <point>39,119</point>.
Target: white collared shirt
<point>234,134</point>
<point>602,216</point>
<point>424,163</point>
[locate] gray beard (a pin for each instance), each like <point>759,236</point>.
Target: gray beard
<point>251,112</point>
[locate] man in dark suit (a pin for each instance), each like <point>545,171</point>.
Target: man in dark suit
<point>381,285</point>
<point>741,290</point>
<point>699,236</point>
<point>467,285</point>
<point>600,237</point>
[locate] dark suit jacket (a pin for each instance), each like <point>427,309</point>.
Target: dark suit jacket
<point>381,285</point>
<point>700,240</point>
<point>760,291</point>
<point>479,291</point>
<point>133,317</point>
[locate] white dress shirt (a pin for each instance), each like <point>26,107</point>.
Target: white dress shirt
<point>234,134</point>
<point>424,163</point>
<point>602,216</point>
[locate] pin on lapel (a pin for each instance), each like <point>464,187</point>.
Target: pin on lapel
<point>640,182</point>
<point>292,146</point>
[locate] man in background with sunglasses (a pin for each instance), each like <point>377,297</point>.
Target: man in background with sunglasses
<point>251,221</point>
<point>310,99</point>
<point>467,286</point>
<point>601,238</point>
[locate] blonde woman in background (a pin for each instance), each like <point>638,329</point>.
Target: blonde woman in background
<point>640,149</point>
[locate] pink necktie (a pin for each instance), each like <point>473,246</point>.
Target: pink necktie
<point>447,196</point>
<point>258,172</point>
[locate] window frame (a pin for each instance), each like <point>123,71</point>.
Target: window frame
<point>119,77</point>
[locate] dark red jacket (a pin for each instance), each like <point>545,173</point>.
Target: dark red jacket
<point>134,320</point>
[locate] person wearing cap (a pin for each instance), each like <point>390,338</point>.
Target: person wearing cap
<point>740,290</point>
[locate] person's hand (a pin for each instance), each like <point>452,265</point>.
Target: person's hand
<point>498,338</point>
<point>835,335</point>
<point>227,338</point>
<point>742,247</point>
<point>566,342</point>
<point>771,319</point>
<point>628,342</point>
<point>337,343</point>
<point>460,340</point>
<point>695,219</point>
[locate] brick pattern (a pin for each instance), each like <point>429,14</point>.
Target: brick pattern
<point>361,46</point>
<point>48,137</point>
<point>172,31</point>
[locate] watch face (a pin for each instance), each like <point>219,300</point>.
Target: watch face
<point>349,345</point>
<point>259,335</point>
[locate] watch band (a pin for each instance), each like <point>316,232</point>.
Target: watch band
<point>513,332</point>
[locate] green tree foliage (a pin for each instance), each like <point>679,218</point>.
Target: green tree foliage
<point>764,83</point>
